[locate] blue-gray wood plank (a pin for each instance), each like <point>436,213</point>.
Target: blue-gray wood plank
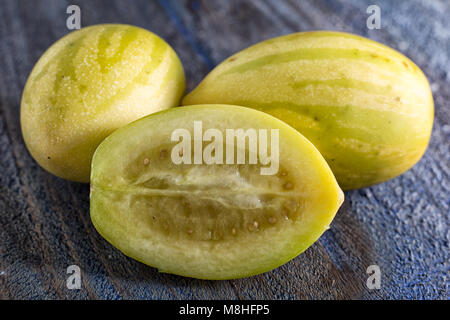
<point>401,225</point>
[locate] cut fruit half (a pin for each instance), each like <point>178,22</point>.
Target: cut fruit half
<point>181,191</point>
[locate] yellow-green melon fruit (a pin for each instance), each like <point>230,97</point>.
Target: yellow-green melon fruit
<point>366,107</point>
<point>216,219</point>
<point>90,83</point>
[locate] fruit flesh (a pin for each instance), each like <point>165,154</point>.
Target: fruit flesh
<point>366,107</point>
<point>209,221</point>
<point>90,83</point>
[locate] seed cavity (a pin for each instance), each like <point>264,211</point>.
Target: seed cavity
<point>203,218</point>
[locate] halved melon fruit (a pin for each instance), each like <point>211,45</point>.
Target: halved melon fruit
<point>174,191</point>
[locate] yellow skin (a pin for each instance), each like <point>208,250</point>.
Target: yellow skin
<point>198,220</point>
<point>90,83</point>
<point>366,107</point>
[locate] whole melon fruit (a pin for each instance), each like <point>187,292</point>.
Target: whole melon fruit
<point>366,107</point>
<point>90,83</point>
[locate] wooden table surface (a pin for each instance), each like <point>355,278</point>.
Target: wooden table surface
<point>401,225</point>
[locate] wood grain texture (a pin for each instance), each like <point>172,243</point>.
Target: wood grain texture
<point>401,225</point>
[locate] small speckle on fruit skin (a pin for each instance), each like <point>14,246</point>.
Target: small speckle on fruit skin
<point>146,161</point>
<point>272,220</point>
<point>233,231</point>
<point>253,226</point>
<point>288,186</point>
